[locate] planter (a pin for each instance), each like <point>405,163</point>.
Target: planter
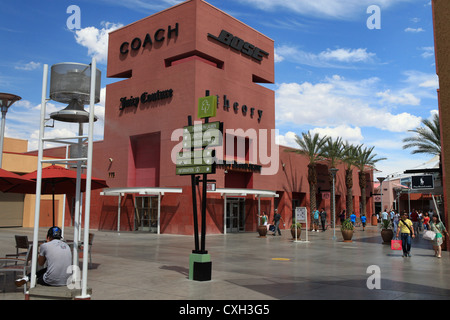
<point>299,232</point>
<point>347,235</point>
<point>262,230</point>
<point>387,235</point>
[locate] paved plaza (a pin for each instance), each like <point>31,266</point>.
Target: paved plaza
<point>143,266</point>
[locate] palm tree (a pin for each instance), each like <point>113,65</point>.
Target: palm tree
<point>364,158</point>
<point>427,138</point>
<point>312,147</point>
<point>333,151</point>
<point>349,159</point>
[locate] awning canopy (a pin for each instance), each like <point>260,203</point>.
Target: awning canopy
<point>139,190</point>
<point>237,192</point>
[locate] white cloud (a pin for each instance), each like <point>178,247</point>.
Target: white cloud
<point>28,66</point>
<point>401,98</point>
<point>287,140</point>
<point>347,55</point>
<point>420,79</point>
<point>414,30</point>
<point>347,133</point>
<point>332,103</point>
<point>337,58</point>
<point>427,52</point>
<point>96,40</point>
<point>342,9</point>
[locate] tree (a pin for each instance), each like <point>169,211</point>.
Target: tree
<point>427,138</point>
<point>333,151</point>
<point>364,158</point>
<point>312,147</point>
<point>349,159</point>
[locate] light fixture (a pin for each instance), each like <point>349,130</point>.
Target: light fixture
<point>70,83</point>
<point>6,100</point>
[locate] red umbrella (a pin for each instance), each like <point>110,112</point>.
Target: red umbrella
<point>55,180</point>
<point>9,179</point>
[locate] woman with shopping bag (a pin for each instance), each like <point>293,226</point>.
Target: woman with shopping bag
<point>438,228</point>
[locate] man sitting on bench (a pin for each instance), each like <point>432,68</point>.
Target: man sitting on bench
<point>58,256</point>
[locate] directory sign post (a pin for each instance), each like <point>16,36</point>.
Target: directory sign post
<point>197,158</point>
<point>301,215</point>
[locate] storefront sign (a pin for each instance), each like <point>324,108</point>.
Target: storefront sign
<point>207,107</point>
<point>145,98</point>
<point>422,182</point>
<point>158,36</point>
<point>236,166</point>
<point>240,45</point>
<point>244,109</point>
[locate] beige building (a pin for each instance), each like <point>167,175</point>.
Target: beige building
<point>17,210</point>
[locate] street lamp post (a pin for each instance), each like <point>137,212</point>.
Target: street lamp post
<point>381,179</point>
<point>6,100</point>
<point>333,173</point>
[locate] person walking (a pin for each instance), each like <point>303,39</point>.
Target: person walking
<point>415,221</point>
<point>264,219</point>
<point>384,215</point>
<point>426,221</point>
<point>406,231</point>
<point>276,221</point>
<point>323,219</point>
<point>353,218</point>
<point>342,216</point>
<point>438,227</point>
<point>396,220</point>
<point>316,220</point>
<point>363,221</point>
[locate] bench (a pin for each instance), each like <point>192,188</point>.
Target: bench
<point>40,292</point>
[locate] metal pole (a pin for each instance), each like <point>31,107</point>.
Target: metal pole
<point>64,199</point>
<point>334,208</point>
<point>225,213</point>
<point>87,207</point>
<point>37,205</point>
<point>77,214</point>
<point>159,212</point>
<point>4,110</point>
<point>118,212</point>
<point>205,177</point>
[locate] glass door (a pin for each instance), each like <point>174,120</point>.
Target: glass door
<point>147,214</point>
<point>235,215</point>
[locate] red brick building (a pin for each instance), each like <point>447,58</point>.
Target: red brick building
<point>168,61</point>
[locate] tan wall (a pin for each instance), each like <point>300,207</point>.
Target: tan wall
<point>19,163</point>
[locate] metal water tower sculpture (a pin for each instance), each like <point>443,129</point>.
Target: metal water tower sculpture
<point>78,85</point>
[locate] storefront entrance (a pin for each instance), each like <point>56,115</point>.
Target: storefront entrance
<point>147,214</point>
<point>235,219</point>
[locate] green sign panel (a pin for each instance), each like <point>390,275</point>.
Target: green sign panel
<point>195,161</point>
<point>204,135</point>
<point>195,170</point>
<point>207,107</point>
<point>204,127</point>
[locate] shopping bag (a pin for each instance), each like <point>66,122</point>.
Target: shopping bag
<point>272,228</point>
<point>396,244</point>
<point>429,235</point>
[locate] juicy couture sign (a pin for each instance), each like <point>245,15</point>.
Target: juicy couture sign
<point>145,98</point>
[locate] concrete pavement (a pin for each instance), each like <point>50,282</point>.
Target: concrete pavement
<point>143,266</point>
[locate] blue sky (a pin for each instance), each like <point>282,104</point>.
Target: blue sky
<point>333,75</point>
